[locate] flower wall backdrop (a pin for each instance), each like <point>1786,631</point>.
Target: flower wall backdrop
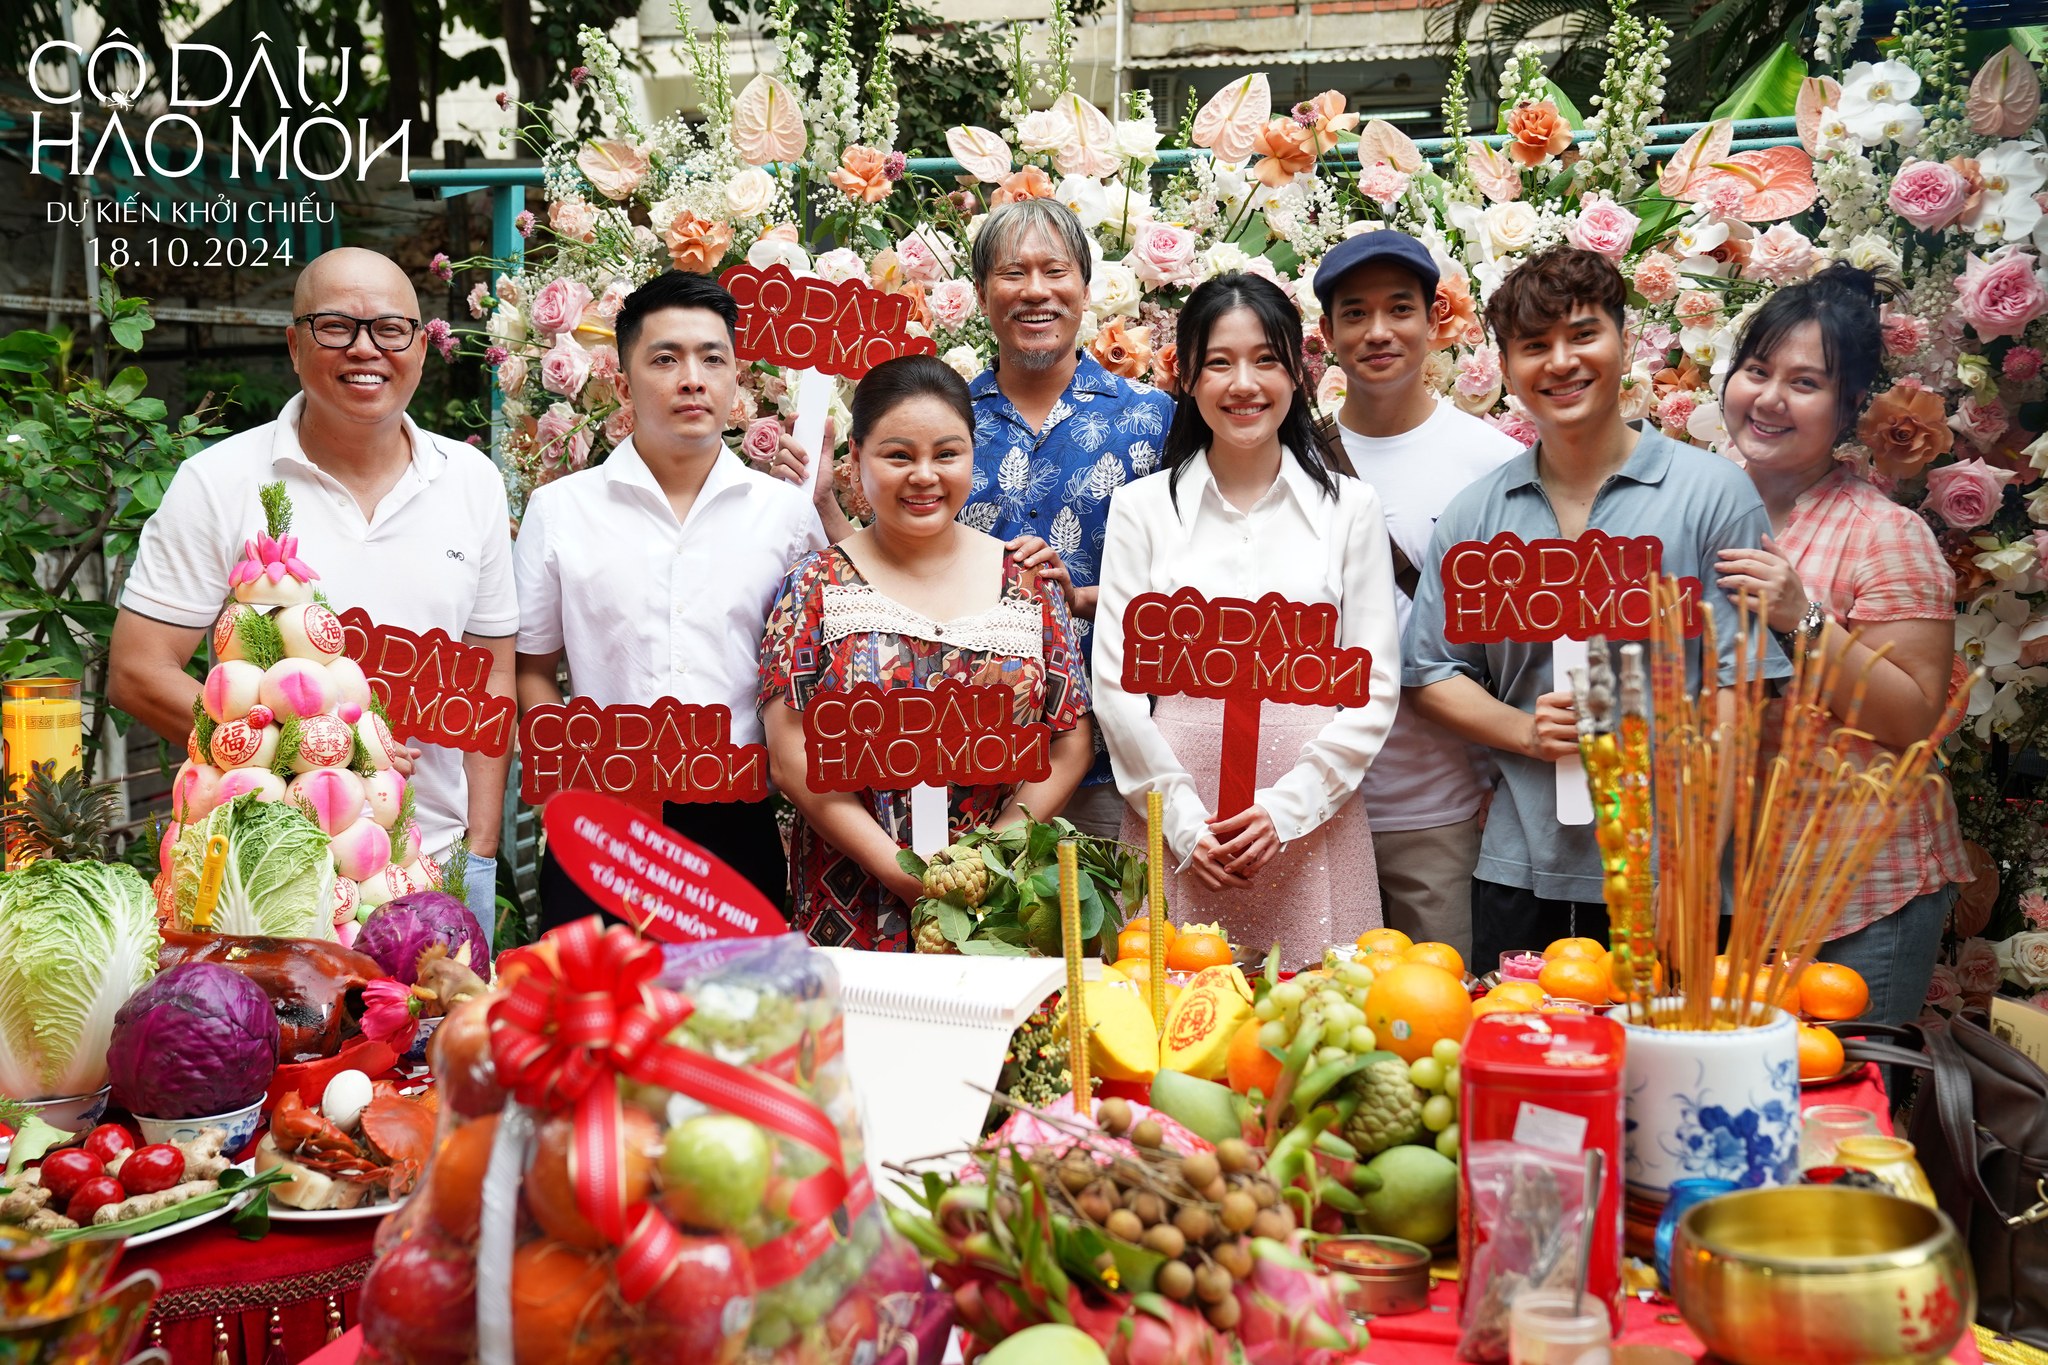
<point>1913,166</point>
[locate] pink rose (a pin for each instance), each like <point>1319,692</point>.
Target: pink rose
<point>1981,422</point>
<point>952,303</point>
<point>604,363</point>
<point>1382,184</point>
<point>1781,256</point>
<point>1656,277</point>
<point>925,257</point>
<point>761,442</point>
<point>559,306</point>
<point>565,368</point>
<point>1163,255</point>
<point>1967,493</point>
<point>2023,959</point>
<point>2021,364</point>
<point>1904,334</point>
<point>1977,967</point>
<point>2001,293</point>
<point>556,432</point>
<point>1944,992</point>
<point>1676,408</point>
<point>619,425</point>
<point>512,375</point>
<point>1330,389</point>
<point>1928,194</point>
<point>615,168</point>
<point>1478,372</point>
<point>1603,226</point>
<point>574,218</point>
<point>1515,425</point>
<point>612,300</point>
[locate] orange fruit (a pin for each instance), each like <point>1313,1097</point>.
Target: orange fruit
<point>1373,939</point>
<point>1248,1066</point>
<point>1828,990</point>
<point>1437,955</point>
<point>1135,939</point>
<point>1652,986</point>
<point>455,1185</point>
<point>1573,947</point>
<point>1497,1004</point>
<point>1820,1054</point>
<point>1526,994</point>
<point>1195,951</point>
<point>1575,978</point>
<point>1412,1005</point>
<point>562,1309</point>
<point>1138,971</point>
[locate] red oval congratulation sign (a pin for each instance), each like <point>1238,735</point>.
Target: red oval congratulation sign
<point>650,876</point>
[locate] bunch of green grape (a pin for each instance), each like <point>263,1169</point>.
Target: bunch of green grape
<point>1335,1001</point>
<point>1437,1075</point>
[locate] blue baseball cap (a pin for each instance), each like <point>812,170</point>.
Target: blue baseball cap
<point>1383,244</point>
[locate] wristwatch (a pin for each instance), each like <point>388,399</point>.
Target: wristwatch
<point>1812,625</point>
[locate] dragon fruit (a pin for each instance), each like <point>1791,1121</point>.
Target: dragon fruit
<point>1290,1311</point>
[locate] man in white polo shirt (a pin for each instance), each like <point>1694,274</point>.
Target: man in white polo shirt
<point>409,526</point>
<point>1426,788</point>
<point>653,574</point>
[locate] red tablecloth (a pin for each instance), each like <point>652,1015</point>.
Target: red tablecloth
<point>290,1288</point>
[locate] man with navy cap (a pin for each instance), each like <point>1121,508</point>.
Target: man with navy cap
<point>1426,790</point>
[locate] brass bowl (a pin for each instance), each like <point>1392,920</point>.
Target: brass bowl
<point>1822,1275</point>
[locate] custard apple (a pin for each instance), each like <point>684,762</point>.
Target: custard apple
<point>929,938</point>
<point>1389,1110</point>
<point>958,874</point>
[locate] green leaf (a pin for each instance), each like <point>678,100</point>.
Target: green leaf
<point>34,1138</point>
<point>127,386</point>
<point>910,862</point>
<point>233,1183</point>
<point>127,332</point>
<point>1770,89</point>
<point>955,923</point>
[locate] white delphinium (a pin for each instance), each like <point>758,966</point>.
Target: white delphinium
<point>1836,28</point>
<point>1630,99</point>
<point>1523,77</point>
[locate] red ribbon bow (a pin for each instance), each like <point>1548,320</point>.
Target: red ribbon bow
<point>572,1026</point>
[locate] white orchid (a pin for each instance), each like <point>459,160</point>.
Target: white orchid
<point>1988,637</point>
<point>2006,561</point>
<point>1876,123</point>
<point>1083,195</point>
<point>1869,83</point>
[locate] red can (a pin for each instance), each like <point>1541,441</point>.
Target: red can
<point>1553,1082</point>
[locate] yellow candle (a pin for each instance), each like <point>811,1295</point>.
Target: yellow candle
<point>42,724</point>
<point>1077,1005</point>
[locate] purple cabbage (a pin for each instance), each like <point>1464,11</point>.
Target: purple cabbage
<point>397,932</point>
<point>198,1040</point>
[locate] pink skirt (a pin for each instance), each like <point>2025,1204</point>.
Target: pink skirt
<point>1320,890</point>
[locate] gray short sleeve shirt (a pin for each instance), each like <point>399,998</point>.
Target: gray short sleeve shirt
<point>1693,501</point>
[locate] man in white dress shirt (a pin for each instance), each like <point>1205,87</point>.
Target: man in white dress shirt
<point>409,526</point>
<point>1426,789</point>
<point>653,573</point>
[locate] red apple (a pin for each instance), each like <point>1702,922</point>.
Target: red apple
<point>419,1303</point>
<point>701,1312</point>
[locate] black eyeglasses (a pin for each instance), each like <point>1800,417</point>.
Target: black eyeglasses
<point>338,331</point>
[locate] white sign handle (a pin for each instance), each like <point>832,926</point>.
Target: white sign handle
<point>1574,802</point>
<point>928,825</point>
<point>813,405</point>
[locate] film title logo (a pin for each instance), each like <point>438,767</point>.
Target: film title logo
<point>643,755</point>
<point>433,688</point>
<point>952,734</point>
<point>802,322</point>
<point>1271,649</point>
<point>1541,591</point>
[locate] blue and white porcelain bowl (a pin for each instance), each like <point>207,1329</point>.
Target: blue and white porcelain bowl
<point>1721,1105</point>
<point>240,1123</point>
<point>74,1113</point>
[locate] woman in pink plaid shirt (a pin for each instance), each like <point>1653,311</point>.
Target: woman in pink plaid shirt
<point>1844,557</point>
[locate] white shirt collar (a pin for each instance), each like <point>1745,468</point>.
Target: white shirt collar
<point>428,459</point>
<point>628,467</point>
<point>1200,482</point>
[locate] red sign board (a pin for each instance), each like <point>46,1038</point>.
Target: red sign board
<point>643,755</point>
<point>1245,653</point>
<point>802,322</point>
<point>647,874</point>
<point>433,688</point>
<point>868,739</point>
<point>1542,591</point>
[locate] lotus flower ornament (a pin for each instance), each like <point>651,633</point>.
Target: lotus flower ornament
<point>271,574</point>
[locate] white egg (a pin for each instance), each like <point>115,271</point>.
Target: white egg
<point>345,1098</point>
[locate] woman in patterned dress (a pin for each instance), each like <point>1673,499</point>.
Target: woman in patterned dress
<point>914,598</point>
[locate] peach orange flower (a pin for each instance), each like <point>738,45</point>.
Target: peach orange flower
<point>862,175</point>
<point>1123,350</point>
<point>1166,366</point>
<point>1287,149</point>
<point>1324,116</point>
<point>697,244</point>
<point>1453,314</point>
<point>1905,430</point>
<point>1536,132</point>
<point>1028,183</point>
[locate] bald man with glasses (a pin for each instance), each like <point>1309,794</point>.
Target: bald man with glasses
<point>410,526</point>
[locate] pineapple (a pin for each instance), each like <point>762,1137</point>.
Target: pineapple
<point>64,818</point>
<point>958,874</point>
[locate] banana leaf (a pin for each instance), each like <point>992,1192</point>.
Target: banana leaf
<point>1770,89</point>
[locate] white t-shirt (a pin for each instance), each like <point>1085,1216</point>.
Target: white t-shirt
<point>645,606</point>
<point>438,552</point>
<point>1424,776</point>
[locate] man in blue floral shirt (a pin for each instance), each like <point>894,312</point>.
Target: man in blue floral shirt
<point>1055,434</point>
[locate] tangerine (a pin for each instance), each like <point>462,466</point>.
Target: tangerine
<point>1526,994</point>
<point>1373,939</point>
<point>1828,990</point>
<point>561,1310</point>
<point>1574,947</point>
<point>455,1185</point>
<point>1437,955</point>
<point>1497,1004</point>
<point>1575,978</point>
<point>1192,952</point>
<point>1135,939</point>
<point>1820,1054</point>
<point>1249,1066</point>
<point>1414,1005</point>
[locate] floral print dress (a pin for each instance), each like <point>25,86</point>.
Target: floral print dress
<point>831,630</point>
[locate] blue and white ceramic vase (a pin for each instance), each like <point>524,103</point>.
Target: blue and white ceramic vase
<point>1720,1105</point>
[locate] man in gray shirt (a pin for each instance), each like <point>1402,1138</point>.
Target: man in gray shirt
<point>1558,321</point>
